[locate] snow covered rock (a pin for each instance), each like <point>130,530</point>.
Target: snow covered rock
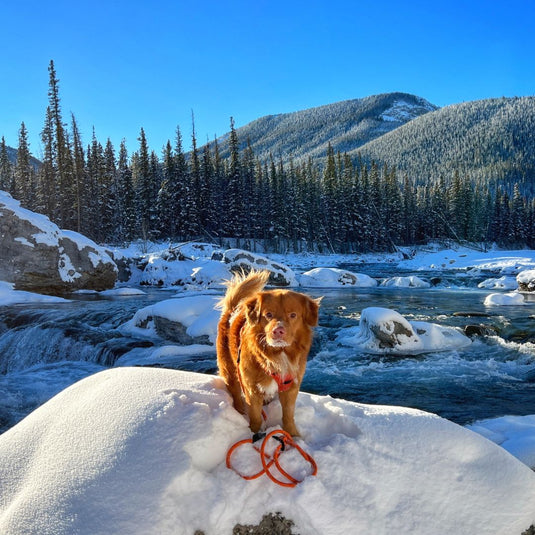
<point>325,277</point>
<point>406,282</point>
<point>506,282</point>
<point>241,260</point>
<point>140,451</point>
<point>39,257</point>
<point>184,320</point>
<point>382,330</point>
<point>526,280</point>
<point>164,270</point>
<point>508,299</point>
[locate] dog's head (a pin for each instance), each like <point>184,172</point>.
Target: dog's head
<point>282,317</point>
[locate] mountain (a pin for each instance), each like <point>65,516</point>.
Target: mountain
<point>492,138</point>
<point>12,155</point>
<point>345,125</point>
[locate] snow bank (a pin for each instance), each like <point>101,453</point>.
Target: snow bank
<point>8,296</point>
<point>516,434</point>
<point>463,258</point>
<point>142,451</point>
<point>334,277</point>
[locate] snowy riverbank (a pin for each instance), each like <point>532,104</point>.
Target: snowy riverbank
<point>142,451</point>
<point>134,450</point>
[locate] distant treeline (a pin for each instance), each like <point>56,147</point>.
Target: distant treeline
<point>338,206</point>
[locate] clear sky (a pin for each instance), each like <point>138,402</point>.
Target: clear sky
<point>128,64</point>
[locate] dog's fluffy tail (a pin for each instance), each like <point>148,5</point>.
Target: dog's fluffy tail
<point>242,286</point>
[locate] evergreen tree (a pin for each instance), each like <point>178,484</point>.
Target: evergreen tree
<point>108,195</point>
<point>234,213</point>
<point>47,197</point>
<point>25,179</point>
<point>195,203</point>
<point>409,212</point>
<point>518,217</point>
<point>93,196</point>
<point>126,213</point>
<point>208,184</point>
<point>61,156</point>
<point>79,176</point>
<point>164,203</point>
<point>179,188</point>
<point>146,202</point>
<point>5,168</point>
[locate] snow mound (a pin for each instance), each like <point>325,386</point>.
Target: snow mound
<point>406,282</point>
<point>202,272</point>
<point>382,330</point>
<point>142,451</point>
<point>507,282</point>
<point>508,299</point>
<point>325,277</point>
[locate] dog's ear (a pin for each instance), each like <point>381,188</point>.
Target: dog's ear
<point>252,309</point>
<point>312,310</point>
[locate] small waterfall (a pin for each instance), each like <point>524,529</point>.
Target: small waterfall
<point>78,331</point>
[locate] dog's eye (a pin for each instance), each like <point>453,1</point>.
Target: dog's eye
<point>269,315</point>
<point>293,315</point>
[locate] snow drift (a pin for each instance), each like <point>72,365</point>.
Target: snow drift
<point>142,451</point>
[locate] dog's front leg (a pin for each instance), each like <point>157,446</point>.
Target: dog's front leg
<point>287,400</point>
<point>255,403</point>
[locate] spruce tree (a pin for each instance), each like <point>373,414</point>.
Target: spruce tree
<point>146,194</point>
<point>25,173</point>
<point>5,167</point>
<point>126,211</point>
<point>48,194</point>
<point>61,156</point>
<point>79,176</point>
<point>234,213</point>
<point>108,195</point>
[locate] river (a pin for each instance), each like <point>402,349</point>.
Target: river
<point>45,348</point>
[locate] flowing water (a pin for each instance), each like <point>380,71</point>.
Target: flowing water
<point>46,348</point>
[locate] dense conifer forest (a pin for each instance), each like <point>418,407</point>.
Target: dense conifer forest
<point>342,203</point>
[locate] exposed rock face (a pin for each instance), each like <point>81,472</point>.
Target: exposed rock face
<point>37,256</point>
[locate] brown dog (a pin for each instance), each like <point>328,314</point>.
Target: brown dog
<point>263,341</point>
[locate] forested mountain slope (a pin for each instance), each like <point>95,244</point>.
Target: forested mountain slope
<point>486,139</point>
<point>346,125</point>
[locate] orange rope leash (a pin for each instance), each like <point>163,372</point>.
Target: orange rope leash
<point>269,460</point>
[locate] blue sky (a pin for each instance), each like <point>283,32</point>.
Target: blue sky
<point>124,65</point>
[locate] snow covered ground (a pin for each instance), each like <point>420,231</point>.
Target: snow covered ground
<point>142,451</point>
